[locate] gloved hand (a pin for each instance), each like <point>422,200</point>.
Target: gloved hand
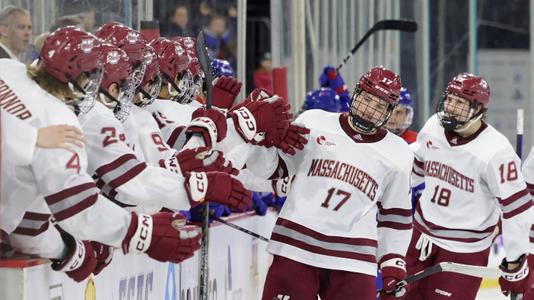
<point>393,270</point>
<point>516,280</point>
<point>216,211</point>
<point>80,260</point>
<point>210,123</point>
<point>262,122</point>
<point>204,160</point>
<point>294,138</point>
<point>271,200</point>
<point>217,187</point>
<point>161,236</point>
<point>225,90</point>
<point>103,255</point>
<point>332,79</point>
<point>258,205</point>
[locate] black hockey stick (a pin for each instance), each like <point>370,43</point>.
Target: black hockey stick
<point>203,59</point>
<point>469,270</point>
<point>401,25</point>
<point>237,227</point>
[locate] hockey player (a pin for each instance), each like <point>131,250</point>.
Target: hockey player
<point>348,207</point>
<point>528,173</point>
<point>402,118</point>
<point>472,178</point>
<point>69,69</point>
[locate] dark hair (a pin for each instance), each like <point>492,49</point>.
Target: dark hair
<point>65,21</point>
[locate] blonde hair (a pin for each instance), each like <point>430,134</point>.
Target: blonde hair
<point>50,84</point>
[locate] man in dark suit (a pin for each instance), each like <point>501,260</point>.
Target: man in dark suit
<point>15,31</point>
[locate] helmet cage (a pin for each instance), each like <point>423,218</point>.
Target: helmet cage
<point>148,97</point>
<point>85,96</point>
<point>468,114</point>
<point>368,126</point>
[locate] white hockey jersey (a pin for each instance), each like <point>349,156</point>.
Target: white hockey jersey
<point>172,118</point>
<point>349,204</point>
<point>21,136</point>
<point>150,139</point>
<point>55,176</point>
<point>470,184</point>
<point>120,174</point>
<point>528,173</point>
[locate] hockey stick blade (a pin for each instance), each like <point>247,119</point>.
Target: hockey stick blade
<point>401,25</point>
<point>469,270</point>
<point>203,59</point>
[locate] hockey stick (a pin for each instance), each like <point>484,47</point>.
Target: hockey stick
<point>244,230</point>
<point>519,133</point>
<point>469,270</point>
<point>203,59</point>
<point>401,25</point>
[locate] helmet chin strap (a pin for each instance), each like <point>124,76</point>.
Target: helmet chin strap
<point>469,123</point>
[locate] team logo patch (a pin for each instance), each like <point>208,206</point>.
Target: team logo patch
<point>321,140</point>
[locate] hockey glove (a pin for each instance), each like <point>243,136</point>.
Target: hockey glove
<point>258,205</point>
<point>281,186</point>
<point>80,260</point>
<point>204,160</point>
<point>103,255</point>
<point>332,79</point>
<point>210,124</point>
<point>225,90</point>
<point>217,187</point>
<point>295,138</point>
<point>516,280</point>
<point>161,236</point>
<point>262,122</point>
<point>393,270</point>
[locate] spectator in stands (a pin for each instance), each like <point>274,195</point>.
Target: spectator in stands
<point>216,35</point>
<point>178,24</point>
<point>263,77</point>
<point>88,18</point>
<point>15,31</point>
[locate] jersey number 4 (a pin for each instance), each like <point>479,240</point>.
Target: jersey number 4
<point>344,198</point>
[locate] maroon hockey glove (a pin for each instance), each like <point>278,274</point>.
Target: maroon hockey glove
<point>210,123</point>
<point>217,187</point>
<point>103,255</point>
<point>80,260</point>
<point>262,122</point>
<point>393,270</point>
<point>517,280</point>
<point>294,139</point>
<point>161,236</point>
<point>258,94</point>
<point>204,160</point>
<point>225,90</point>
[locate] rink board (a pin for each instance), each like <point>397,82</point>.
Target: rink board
<point>238,266</point>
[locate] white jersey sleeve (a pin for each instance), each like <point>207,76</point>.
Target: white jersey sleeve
<point>505,181</point>
<point>18,139</point>
<point>395,213</point>
<point>120,175</point>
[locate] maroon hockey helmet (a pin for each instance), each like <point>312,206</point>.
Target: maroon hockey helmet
<point>174,61</point>
<point>379,82</point>
<point>382,83</point>
<point>470,87</point>
<point>117,65</point>
<point>173,58</point>
<point>126,38</point>
<point>152,77</point>
<point>69,52</point>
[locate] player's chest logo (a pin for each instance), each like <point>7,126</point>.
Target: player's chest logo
<point>323,141</point>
